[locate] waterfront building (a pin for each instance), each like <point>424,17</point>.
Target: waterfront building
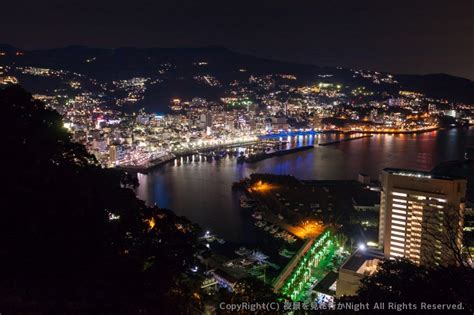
<point>112,155</point>
<point>421,214</point>
<point>206,120</point>
<point>279,123</point>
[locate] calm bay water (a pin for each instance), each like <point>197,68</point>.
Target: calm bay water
<point>201,190</point>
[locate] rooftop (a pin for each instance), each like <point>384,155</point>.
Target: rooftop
<point>326,284</point>
<point>359,257</point>
<point>419,174</point>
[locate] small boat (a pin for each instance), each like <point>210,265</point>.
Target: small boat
<point>258,256</point>
<point>219,155</point>
<point>270,151</point>
<point>242,251</point>
<point>286,253</point>
<point>245,262</point>
<point>220,241</point>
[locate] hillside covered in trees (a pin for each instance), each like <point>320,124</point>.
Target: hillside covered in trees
<point>74,238</point>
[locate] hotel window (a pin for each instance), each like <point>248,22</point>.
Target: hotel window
<point>420,197</point>
<point>398,233</point>
<point>399,211</point>
<point>399,206</point>
<point>396,216</point>
<point>398,222</point>
<point>399,194</point>
<point>396,238</point>
<point>396,249</point>
<point>399,200</point>
<point>396,255</point>
<point>400,228</point>
<point>397,244</point>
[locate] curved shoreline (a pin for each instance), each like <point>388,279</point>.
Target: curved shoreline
<point>312,132</point>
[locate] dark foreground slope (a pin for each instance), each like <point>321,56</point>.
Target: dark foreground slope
<point>72,238</point>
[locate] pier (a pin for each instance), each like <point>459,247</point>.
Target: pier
<point>263,156</point>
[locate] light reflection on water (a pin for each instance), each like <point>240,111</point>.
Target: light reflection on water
<point>201,190</point>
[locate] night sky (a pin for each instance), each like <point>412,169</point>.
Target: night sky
<point>416,36</point>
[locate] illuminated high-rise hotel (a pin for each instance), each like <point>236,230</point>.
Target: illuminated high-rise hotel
<point>421,216</point>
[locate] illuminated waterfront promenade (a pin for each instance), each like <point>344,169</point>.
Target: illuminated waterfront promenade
<point>214,146</point>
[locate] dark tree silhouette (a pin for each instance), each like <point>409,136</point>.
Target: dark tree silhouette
<point>448,233</point>
<point>58,248</point>
<point>401,281</point>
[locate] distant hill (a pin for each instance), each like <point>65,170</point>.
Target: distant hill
<point>176,67</point>
<point>143,61</point>
<point>440,86</point>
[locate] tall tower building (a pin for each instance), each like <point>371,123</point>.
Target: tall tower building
<point>317,121</point>
<point>113,155</point>
<point>420,214</point>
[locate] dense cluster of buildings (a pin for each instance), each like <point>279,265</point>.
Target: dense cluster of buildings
<point>99,112</point>
<point>421,213</point>
<point>421,219</point>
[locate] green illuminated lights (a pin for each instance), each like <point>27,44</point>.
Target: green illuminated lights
<point>300,280</point>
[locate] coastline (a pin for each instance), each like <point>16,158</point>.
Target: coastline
<point>144,169</point>
<point>149,166</point>
<point>336,131</point>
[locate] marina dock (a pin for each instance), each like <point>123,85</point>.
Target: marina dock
<point>263,156</point>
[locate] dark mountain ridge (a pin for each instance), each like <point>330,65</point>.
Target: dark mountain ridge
<point>181,64</point>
